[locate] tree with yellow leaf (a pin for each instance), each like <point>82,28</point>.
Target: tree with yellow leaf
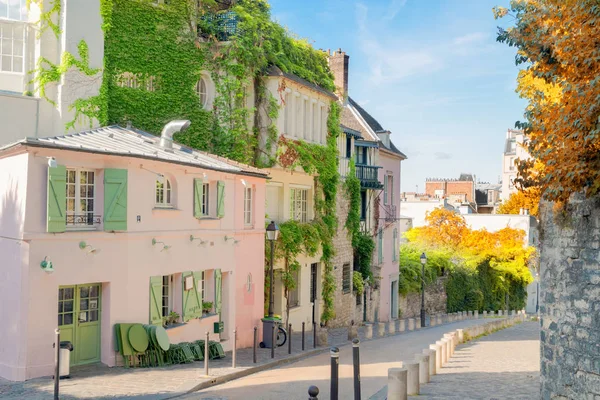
<point>528,199</point>
<point>557,42</point>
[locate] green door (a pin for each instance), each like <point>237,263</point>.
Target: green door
<point>79,321</point>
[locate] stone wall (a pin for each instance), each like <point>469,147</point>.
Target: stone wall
<point>435,300</point>
<point>570,300</point>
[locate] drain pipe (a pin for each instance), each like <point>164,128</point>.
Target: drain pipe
<point>166,136</point>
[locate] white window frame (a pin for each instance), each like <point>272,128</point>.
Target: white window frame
<point>287,122</point>
<point>202,285</point>
<point>169,296</point>
<point>202,92</point>
<point>23,14</point>
<point>299,204</point>
<point>248,206</point>
<point>165,192</point>
<point>295,293</point>
<point>77,198</point>
<point>205,205</point>
<point>395,245</point>
<point>385,189</point>
<point>8,44</point>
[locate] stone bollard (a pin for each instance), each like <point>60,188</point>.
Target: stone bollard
<point>439,319</point>
<point>397,388</point>
<point>460,335</point>
<point>447,345</point>
<point>476,314</point>
<point>448,337</point>
<point>392,327</point>
<point>417,323</point>
<point>411,324</point>
<point>423,361</point>
<point>381,329</point>
<point>484,313</point>
<point>368,331</point>
<point>432,354</point>
<point>322,337</point>
<point>432,320</point>
<point>438,355</point>
<point>499,313</point>
<point>352,332</point>
<point>402,327</point>
<point>444,357</point>
<point>412,377</point>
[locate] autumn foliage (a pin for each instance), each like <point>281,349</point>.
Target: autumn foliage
<point>557,43</point>
<point>528,199</point>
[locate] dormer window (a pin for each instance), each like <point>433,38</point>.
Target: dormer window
<point>163,193</point>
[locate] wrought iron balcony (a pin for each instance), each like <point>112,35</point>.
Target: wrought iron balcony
<point>83,219</point>
<point>390,213</point>
<point>223,25</point>
<point>368,176</point>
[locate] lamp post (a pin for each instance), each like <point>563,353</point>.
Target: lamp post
<point>423,262</point>
<point>272,234</point>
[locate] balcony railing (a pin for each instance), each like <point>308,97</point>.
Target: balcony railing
<point>83,219</point>
<point>368,176</point>
<point>390,212</point>
<point>223,25</point>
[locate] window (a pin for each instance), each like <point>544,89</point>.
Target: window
<point>248,206</point>
<point>12,42</point>
<point>380,245</point>
<point>385,189</point>
<point>80,189</point>
<point>490,197</point>
<point>295,292</point>
<point>348,147</point>
<point>299,204</point>
<point>14,9</point>
<point>273,204</point>
<point>201,90</point>
<point>305,132</point>
<point>205,194</point>
<point>166,295</point>
<point>390,185</point>
<point>163,193</point>
<point>363,205</point>
<point>298,115</point>
<point>346,279</point>
<point>511,165</point>
<point>66,300</point>
<point>323,137</point>
<point>315,122</point>
<point>395,245</point>
<point>361,155</point>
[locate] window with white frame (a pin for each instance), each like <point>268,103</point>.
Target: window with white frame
<point>390,185</point>
<point>80,195</point>
<point>248,206</point>
<point>323,137</point>
<point>299,204</point>
<point>12,46</point>
<point>297,112</point>
<point>295,292</point>
<point>205,197</point>
<point>202,91</point>
<point>14,9</point>
<point>167,294</point>
<point>163,193</point>
<point>305,122</point>
<point>385,189</point>
<point>314,119</point>
<point>511,164</point>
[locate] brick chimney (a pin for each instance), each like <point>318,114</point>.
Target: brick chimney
<point>338,63</point>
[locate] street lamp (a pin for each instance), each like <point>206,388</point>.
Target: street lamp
<point>272,233</point>
<point>423,262</point>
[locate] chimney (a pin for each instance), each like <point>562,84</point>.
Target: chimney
<point>338,63</point>
<point>384,136</point>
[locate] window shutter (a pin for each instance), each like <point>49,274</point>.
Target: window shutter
<point>395,245</point>
<point>385,189</point>
<point>57,199</point>
<point>115,199</point>
<point>156,300</point>
<point>198,194</point>
<point>218,290</point>
<point>192,300</point>
<point>220,199</point>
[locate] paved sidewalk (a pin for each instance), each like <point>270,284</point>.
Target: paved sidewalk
<point>503,365</point>
<point>101,382</point>
<point>291,382</point>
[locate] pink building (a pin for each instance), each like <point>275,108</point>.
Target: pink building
<point>116,225</point>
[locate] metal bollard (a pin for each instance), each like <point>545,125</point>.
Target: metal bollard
<point>273,342</point>
<point>313,392</point>
<point>356,362</point>
<point>233,351</point>
<point>289,338</point>
<point>335,363</point>
<point>255,345</point>
<point>56,362</point>
<point>303,339</point>
<point>314,335</point>
<point>206,355</point>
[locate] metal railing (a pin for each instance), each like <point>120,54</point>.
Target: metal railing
<point>390,212</point>
<point>83,219</point>
<point>368,176</point>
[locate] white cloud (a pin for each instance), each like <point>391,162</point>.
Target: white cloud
<point>394,8</point>
<point>470,38</point>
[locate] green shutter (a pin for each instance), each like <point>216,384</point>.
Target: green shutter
<point>198,192</point>
<point>192,299</point>
<point>57,199</point>
<point>156,300</point>
<point>218,291</point>
<point>220,199</point>
<point>395,246</point>
<point>115,199</point>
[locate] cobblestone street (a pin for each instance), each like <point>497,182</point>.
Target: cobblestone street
<point>503,365</point>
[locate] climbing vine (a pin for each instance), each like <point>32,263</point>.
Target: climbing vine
<point>47,17</point>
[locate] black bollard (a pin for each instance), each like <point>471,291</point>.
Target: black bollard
<point>335,363</point>
<point>289,338</point>
<point>56,362</point>
<point>303,338</point>
<point>314,335</point>
<point>254,349</point>
<point>206,355</point>
<point>356,362</point>
<point>313,392</point>
<point>273,342</point>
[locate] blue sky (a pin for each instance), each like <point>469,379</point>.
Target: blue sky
<point>430,71</point>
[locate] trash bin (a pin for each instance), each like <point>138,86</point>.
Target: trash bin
<point>268,323</point>
<point>64,369</point>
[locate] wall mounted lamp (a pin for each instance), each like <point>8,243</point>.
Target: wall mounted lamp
<point>227,238</point>
<point>165,247</point>
<point>47,265</point>
<point>244,182</point>
<point>84,246</point>
<point>52,162</point>
<point>192,238</point>
<point>155,173</point>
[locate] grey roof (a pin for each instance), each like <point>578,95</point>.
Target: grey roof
<point>350,131</point>
<point>273,70</point>
<point>372,122</point>
<point>393,149</point>
<point>118,141</point>
<point>466,177</point>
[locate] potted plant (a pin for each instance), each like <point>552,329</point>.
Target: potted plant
<point>207,307</point>
<point>171,319</point>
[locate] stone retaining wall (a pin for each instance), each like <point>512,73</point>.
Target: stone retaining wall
<point>435,300</point>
